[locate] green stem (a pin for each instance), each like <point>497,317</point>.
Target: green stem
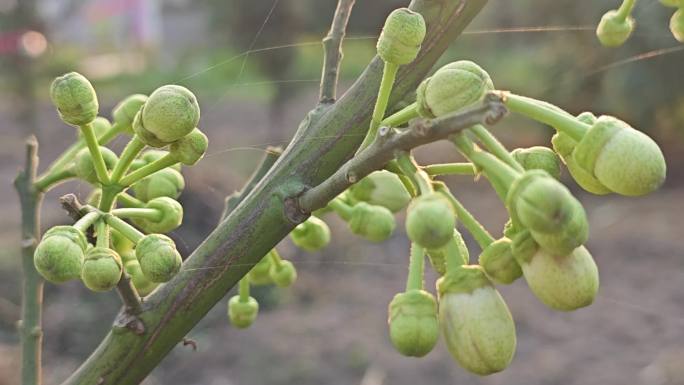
<point>129,201</point>
<point>475,228</point>
<point>110,134</point>
<point>495,147</point>
<point>389,73</point>
<point>87,220</point>
<point>417,176</point>
<point>108,197</point>
<point>401,117</point>
<point>165,161</point>
<point>342,209</point>
<point>102,231</point>
<point>453,255</point>
<point>545,113</point>
<point>94,149</point>
<point>275,257</point>
<point>53,178</point>
<point>625,10</point>
<point>128,231</point>
<point>416,267</point>
<point>465,168</point>
<point>243,289</point>
<point>132,149</point>
<point>141,213</point>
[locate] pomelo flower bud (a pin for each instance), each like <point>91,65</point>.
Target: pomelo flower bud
<point>190,148</point>
<point>574,234</point>
<point>623,159</point>
<point>283,274</point>
<point>562,282</point>
<point>102,269</point>
<point>59,255</point>
<point>163,183</point>
<point>84,167</point>
<point>401,37</point>
<point>438,257</point>
<point>677,24</point>
<point>142,284</point>
<point>150,156</point>
<point>413,324</point>
<point>260,273</point>
<point>498,262</point>
<point>311,235</point>
<point>242,314</point>
<point>170,113</point>
<point>453,87</point>
<point>159,260</point>
<point>170,217</point>
<point>75,99</point>
<point>477,326</point>
<point>538,158</point>
<point>374,223</point>
<point>381,188</point>
<point>430,221</point>
<point>124,112</point>
<point>613,30</point>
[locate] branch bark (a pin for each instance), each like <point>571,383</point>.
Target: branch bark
<point>332,51</point>
<point>325,140</point>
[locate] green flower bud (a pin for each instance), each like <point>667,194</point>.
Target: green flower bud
<point>159,260</point>
<point>170,113</point>
<point>453,87</point>
<point>242,314</point>
<point>612,30</point>
<point>261,272</point>
<point>311,235</point>
<point>438,257</point>
<point>142,284</point>
<point>102,269</point>
<point>477,326</point>
<point>498,262</point>
<point>190,148</point>
<point>562,282</point>
<point>677,24</point>
<point>672,3</point>
<point>523,246</point>
<point>84,167</point>
<point>119,243</point>
<point>374,223</point>
<point>430,221</point>
<point>59,255</point>
<point>623,159</point>
<point>163,183</point>
<point>381,188</point>
<point>401,37</point>
<point>75,99</point>
<point>538,158</point>
<point>150,156</point>
<point>124,112</point>
<point>413,324</point>
<point>170,217</point>
<point>574,234</point>
<point>283,274</point>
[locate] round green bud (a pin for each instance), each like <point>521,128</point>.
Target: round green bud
<point>430,221</point>
<point>498,262</point>
<point>59,255</point>
<point>562,282</point>
<point>612,30</point>
<point>477,326</point>
<point>190,148</point>
<point>102,269</point>
<point>677,24</point>
<point>124,112</point>
<point>261,272</point>
<point>438,257</point>
<point>538,158</point>
<point>672,3</point>
<point>283,274</point>
<point>242,314</point>
<point>170,113</point>
<point>163,183</point>
<point>374,223</point>
<point>159,260</point>
<point>141,283</point>
<point>170,216</point>
<point>574,234</point>
<point>413,324</point>
<point>523,246</point>
<point>381,188</point>
<point>150,156</point>
<point>311,235</point>
<point>75,99</point>
<point>401,37</point>
<point>453,87</point>
<point>84,167</point>
<point>623,159</point>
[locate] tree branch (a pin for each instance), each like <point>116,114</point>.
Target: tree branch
<point>332,51</point>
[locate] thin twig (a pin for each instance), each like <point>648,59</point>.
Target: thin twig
<point>332,51</point>
<point>389,141</point>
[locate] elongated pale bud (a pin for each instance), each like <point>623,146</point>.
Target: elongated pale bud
<point>498,262</point>
<point>311,235</point>
<point>170,113</point>
<point>413,324</point>
<point>242,314</point>
<point>190,148</point>
<point>163,183</point>
<point>59,255</point>
<point>477,326</point>
<point>261,272</point>
<point>381,188</point>
<point>169,218</point>
<point>283,274</point>
<point>677,24</point>
<point>430,221</point>
<point>453,87</point>
<point>102,269</point>
<point>374,223</point>
<point>613,30</point>
<point>159,260</point>
<point>85,168</point>
<point>75,99</point>
<point>401,37</point>
<point>538,158</point>
<point>124,112</point>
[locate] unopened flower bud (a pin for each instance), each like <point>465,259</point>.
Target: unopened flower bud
<point>124,112</point>
<point>141,283</point>
<point>170,113</point>
<point>261,272</point>
<point>85,168</point>
<point>190,148</point>
<point>381,188</point>
<point>170,216</point>
<point>163,183</point>
<point>498,262</point>
<point>677,24</point>
<point>374,223</point>
<point>430,221</point>
<point>311,235</point>
<point>283,274</point>
<point>159,260</point>
<point>401,37</point>
<point>413,324</point>
<point>613,30</point>
<point>242,314</point>
<point>59,255</point>
<point>538,158</point>
<point>102,269</point>
<point>75,99</point>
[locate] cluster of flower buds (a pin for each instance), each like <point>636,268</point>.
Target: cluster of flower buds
<point>121,234</point>
<point>617,25</point>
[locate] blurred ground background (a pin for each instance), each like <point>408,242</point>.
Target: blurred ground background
<point>330,328</point>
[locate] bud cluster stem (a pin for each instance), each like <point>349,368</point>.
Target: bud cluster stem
<point>94,149</point>
<point>547,114</point>
<point>133,148</point>
<point>389,73</point>
<point>475,228</point>
<point>416,267</point>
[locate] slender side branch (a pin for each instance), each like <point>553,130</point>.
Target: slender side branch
<point>389,142</point>
<point>332,51</point>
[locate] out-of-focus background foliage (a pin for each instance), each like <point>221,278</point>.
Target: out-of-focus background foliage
<point>254,65</point>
